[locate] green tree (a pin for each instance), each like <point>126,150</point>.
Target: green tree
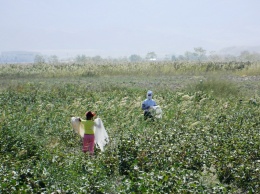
<point>181,58</point>
<point>200,53</point>
<point>174,58</point>
<point>53,59</point>
<point>39,59</point>
<point>247,56</point>
<point>135,58</point>
<point>97,58</point>
<point>190,56</point>
<point>213,57</point>
<point>151,56</point>
<point>81,59</point>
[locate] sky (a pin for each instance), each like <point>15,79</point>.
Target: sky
<point>120,28</point>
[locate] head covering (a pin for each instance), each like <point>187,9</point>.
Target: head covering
<point>149,94</point>
<point>90,115</point>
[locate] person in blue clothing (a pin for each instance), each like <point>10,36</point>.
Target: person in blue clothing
<point>147,104</point>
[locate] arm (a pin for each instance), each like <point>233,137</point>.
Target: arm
<point>145,107</point>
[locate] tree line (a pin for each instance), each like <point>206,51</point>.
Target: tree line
<point>198,54</point>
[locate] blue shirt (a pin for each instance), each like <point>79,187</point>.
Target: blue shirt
<point>147,103</point>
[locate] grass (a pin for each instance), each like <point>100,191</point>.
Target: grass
<point>206,142</point>
<point>218,87</point>
<point>252,70</point>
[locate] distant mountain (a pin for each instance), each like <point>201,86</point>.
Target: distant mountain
<point>236,50</point>
<point>17,57</point>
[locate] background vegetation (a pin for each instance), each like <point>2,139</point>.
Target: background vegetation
<point>206,142</point>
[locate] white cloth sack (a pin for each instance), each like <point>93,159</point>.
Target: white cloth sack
<point>77,126</point>
<point>101,136</point>
<point>156,111</point>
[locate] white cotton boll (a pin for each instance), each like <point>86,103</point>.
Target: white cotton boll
<point>186,97</point>
<point>77,126</point>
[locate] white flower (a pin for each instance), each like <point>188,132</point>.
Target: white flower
<point>186,97</point>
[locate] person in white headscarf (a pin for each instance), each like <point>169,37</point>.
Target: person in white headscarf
<point>147,104</point>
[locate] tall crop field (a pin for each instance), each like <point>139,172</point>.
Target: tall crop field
<point>208,140</point>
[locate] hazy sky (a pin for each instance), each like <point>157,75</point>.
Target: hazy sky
<point>124,27</point>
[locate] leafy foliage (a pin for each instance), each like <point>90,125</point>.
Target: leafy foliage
<point>205,143</point>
